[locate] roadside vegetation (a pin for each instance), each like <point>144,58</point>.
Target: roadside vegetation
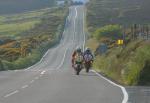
<point>13,25</point>
<point>25,37</point>
<point>107,21</point>
<point>124,12</point>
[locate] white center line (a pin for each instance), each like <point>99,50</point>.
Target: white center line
<point>11,93</point>
<point>76,13</point>
<point>16,70</point>
<point>43,72</point>
<point>25,86</point>
<point>62,62</point>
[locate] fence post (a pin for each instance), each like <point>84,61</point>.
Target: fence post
<point>124,35</point>
<point>132,32</point>
<point>135,31</point>
<point>147,32</point>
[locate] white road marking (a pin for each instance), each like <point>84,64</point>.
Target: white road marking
<point>73,40</point>
<point>63,34</point>
<point>45,55</point>
<point>49,49</point>
<point>125,99</point>
<point>62,62</point>
<point>76,12</point>
<point>69,17</point>
<point>16,70</point>
<point>83,31</point>
<point>25,86</point>
<point>12,93</point>
<point>43,72</point>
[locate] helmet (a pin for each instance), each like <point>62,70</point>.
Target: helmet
<point>88,49</point>
<point>78,49</point>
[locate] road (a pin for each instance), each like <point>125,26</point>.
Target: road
<point>52,80</point>
<point>138,94</point>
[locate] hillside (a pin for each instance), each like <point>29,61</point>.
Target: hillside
<point>25,37</point>
<point>111,20</point>
<point>19,6</point>
<point>126,12</point>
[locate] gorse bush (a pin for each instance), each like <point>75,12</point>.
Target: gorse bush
<point>24,62</point>
<point>110,31</point>
<point>137,64</point>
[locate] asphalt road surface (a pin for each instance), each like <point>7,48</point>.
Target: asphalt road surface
<point>52,80</point>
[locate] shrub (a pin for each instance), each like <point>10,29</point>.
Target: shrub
<point>110,31</point>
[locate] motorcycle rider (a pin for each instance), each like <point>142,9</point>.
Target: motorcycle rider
<point>88,52</point>
<point>88,58</point>
<point>77,56</point>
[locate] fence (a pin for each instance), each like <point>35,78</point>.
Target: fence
<point>138,31</point>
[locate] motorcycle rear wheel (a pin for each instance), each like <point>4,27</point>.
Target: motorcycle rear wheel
<point>87,70</point>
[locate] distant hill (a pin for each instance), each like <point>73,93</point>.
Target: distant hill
<point>18,6</point>
<point>103,12</point>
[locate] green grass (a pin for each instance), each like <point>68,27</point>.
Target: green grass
<point>15,24</point>
<point>137,64</point>
<point>24,15</point>
<point>128,66</point>
<point>44,29</point>
<point>111,31</point>
<point>14,29</point>
<point>27,15</point>
<point>125,12</point>
<point>2,18</point>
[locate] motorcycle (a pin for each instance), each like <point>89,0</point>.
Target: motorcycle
<point>78,67</point>
<point>87,65</point>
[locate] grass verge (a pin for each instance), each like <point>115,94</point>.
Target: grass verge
<point>127,66</point>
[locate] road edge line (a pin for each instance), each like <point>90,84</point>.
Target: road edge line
<point>125,99</point>
<point>10,94</point>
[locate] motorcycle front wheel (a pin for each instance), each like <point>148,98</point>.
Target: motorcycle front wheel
<point>78,69</point>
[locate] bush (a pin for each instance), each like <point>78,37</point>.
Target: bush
<point>110,31</point>
<point>132,67</point>
<point>7,65</point>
